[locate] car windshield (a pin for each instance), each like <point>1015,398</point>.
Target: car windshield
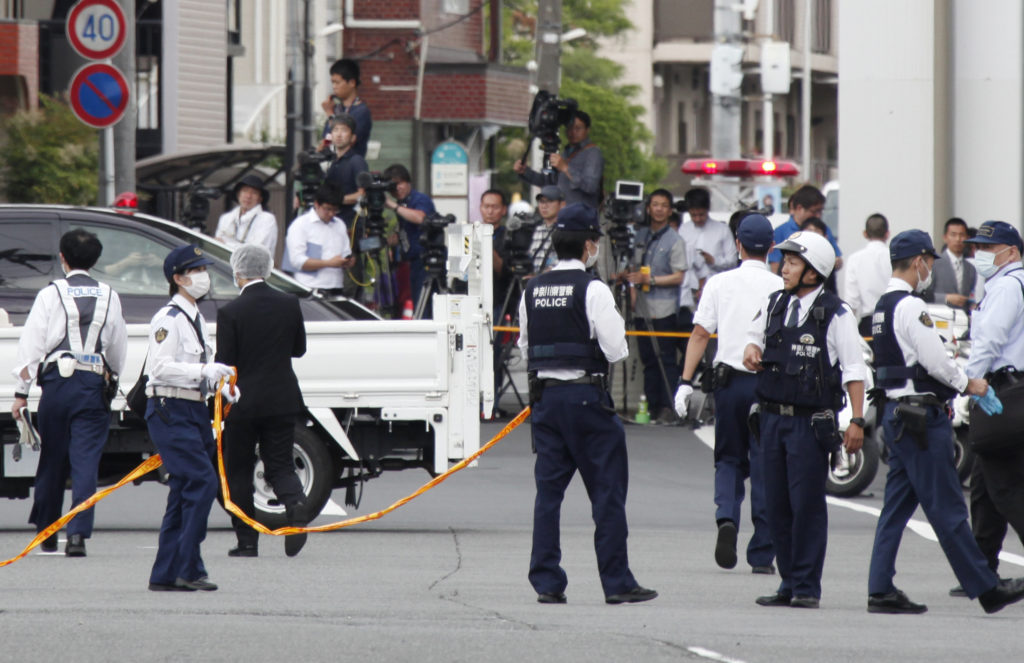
<point>276,280</point>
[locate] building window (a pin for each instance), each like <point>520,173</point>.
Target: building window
<point>822,21</point>
<point>784,20</point>
<point>455,6</point>
<point>12,9</point>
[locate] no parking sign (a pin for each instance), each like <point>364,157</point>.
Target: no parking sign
<point>99,94</point>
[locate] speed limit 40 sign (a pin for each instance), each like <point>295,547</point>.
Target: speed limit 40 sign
<point>96,28</point>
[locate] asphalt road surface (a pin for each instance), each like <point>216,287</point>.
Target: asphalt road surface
<point>444,579</point>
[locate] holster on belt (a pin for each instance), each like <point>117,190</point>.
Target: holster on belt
<point>535,386</point>
<point>723,374</point>
<point>914,421</point>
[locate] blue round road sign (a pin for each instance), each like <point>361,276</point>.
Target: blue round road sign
<point>99,95</point>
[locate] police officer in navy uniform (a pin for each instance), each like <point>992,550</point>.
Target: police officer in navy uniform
<point>919,378</point>
<point>997,354</point>
<point>806,347</point>
<point>74,344</point>
<point>571,332</point>
<point>730,300</point>
<point>180,380</point>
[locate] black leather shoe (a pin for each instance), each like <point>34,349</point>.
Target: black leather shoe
<point>959,592</point>
<point>635,595</point>
<point>725,547</point>
<point>297,517</point>
<point>75,546</point>
<point>49,544</point>
<point>768,570</point>
<point>774,600</point>
<point>202,584</point>
<point>551,597</point>
<point>804,602</point>
<point>1003,594</point>
<point>244,550</point>
<point>895,603</point>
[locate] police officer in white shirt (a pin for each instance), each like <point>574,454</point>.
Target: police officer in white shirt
<point>250,222</point>
<point>712,239</point>
<point>181,377</point>
<point>919,379</point>
<point>867,272</point>
<point>806,350</point>
<point>317,244</point>
<point>730,301</point>
<point>571,332</point>
<point>73,345</point>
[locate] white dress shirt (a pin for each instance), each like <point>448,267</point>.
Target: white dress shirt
<point>957,261</point>
<point>866,275</point>
<point>175,352</point>
<point>256,226</point>
<point>920,343</point>
<point>606,325</point>
<point>730,301</point>
<point>46,326</point>
<point>309,237</point>
<point>841,337</point>
<point>997,326</point>
<point>713,237</point>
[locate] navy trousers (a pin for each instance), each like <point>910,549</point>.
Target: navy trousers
<point>795,468</point>
<point>927,477</point>
<point>574,428</point>
<point>73,426</point>
<point>183,436</point>
<point>738,456</point>
<point>658,394</point>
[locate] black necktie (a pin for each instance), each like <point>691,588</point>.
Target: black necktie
<point>794,313</point>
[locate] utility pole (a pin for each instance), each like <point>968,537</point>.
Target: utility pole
<point>726,83</point>
<point>293,119</point>
<point>124,131</point>
<point>767,107</point>
<point>805,96</point>
<point>549,45</point>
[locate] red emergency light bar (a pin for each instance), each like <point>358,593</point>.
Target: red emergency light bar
<point>740,167</point>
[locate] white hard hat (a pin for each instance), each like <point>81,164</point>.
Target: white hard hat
<point>813,248</point>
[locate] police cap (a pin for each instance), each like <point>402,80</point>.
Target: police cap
<point>183,259</point>
<point>910,243</point>
<point>755,233</point>
<point>998,232</point>
<point>551,192</point>
<point>578,218</point>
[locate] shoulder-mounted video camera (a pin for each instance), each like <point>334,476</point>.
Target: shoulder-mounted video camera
<point>547,114</point>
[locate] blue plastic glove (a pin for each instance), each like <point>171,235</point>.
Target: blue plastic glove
<point>990,403</point>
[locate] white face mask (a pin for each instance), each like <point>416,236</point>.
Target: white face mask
<point>924,283</point>
<point>985,262</point>
<point>592,260</point>
<point>200,284</point>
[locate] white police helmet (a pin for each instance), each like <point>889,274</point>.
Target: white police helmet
<point>813,248</point>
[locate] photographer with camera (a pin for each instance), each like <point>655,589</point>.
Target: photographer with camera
<point>317,244</point>
<point>663,266</point>
<point>578,170</point>
<point>346,166</point>
<point>411,207</point>
<point>345,99</point>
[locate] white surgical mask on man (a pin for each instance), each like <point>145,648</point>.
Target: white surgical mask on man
<point>924,283</point>
<point>985,262</point>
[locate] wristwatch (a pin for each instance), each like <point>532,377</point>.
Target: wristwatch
<point>859,421</point>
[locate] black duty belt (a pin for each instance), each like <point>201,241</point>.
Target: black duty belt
<point>596,380</point>
<point>787,410</point>
<point>922,400</point>
<point>1004,377</point>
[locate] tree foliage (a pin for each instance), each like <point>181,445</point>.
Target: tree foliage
<point>49,156</point>
<point>593,82</point>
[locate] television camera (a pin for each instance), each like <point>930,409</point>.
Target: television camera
<point>624,209</point>
<point>374,201</point>
<point>435,253</point>
<point>309,174</point>
<point>547,114</point>
<point>518,239</point>
<point>197,206</point>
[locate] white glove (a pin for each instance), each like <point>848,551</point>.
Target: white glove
<point>214,372</point>
<point>226,390</point>
<point>682,399</point>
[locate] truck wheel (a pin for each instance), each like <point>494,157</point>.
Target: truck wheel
<point>850,474</point>
<point>963,455</point>
<point>315,470</point>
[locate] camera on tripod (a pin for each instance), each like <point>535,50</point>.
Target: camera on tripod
<point>310,174</point>
<point>518,240</point>
<point>547,114</point>
<point>374,188</point>
<point>435,253</point>
<point>197,206</point>
<point>624,209</point>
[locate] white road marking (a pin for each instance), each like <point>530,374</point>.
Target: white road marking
<point>706,434</point>
<point>712,655</point>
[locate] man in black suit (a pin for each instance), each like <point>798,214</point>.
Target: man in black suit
<point>954,277</point>
<point>259,333</point>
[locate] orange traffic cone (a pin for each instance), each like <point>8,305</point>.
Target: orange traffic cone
<point>407,310</point>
